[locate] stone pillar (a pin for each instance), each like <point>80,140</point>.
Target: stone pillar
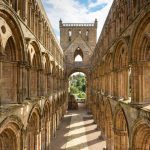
<point>28,68</point>
<point>40,82</point>
<point>22,81</point>
<point>25,12</point>
<point>38,140</point>
<point>51,83</point>
<point>29,18</point>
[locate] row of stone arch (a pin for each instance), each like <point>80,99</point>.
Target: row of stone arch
<point>31,13</point>
<point>26,71</point>
<point>123,70</point>
<point>37,132</point>
<point>121,15</point>
<point>120,131</point>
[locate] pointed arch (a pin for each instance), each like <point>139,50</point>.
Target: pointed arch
<point>33,127</point>
<point>16,33</point>
<point>121,65</point>
<point>109,132</point>
<point>140,39</point>
<point>140,53</point>
<point>10,133</point>
<point>78,54</point>
<point>121,131</point>
<point>141,135</point>
<point>46,126</point>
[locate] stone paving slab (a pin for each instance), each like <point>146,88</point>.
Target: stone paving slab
<point>77,131</point>
<point>76,142</point>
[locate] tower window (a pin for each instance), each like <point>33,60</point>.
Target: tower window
<point>78,55</point>
<point>87,35</point>
<point>78,58</point>
<point>69,34</point>
<point>80,32</point>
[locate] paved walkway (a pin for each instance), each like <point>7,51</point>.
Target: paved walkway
<point>77,131</point>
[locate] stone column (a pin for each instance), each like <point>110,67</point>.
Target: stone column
<point>25,12</point>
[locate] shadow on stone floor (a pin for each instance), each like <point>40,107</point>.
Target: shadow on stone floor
<point>82,145</point>
<point>62,137</point>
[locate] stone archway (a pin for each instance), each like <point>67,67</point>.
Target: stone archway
<point>141,135</point>
<point>109,132</point>
<point>33,130</point>
<point>46,133</point>
<point>10,134</point>
<point>12,56</point>
<point>140,54</point>
<point>34,74</point>
<point>121,69</point>
<point>121,139</point>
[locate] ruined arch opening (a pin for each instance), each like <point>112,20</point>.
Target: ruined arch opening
<point>141,136</point>
<point>8,140</point>
<point>78,55</point>
<point>121,138</point>
<point>77,89</point>
<point>9,69</point>
<point>33,127</point>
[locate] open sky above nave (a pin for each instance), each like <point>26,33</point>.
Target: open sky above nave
<point>77,11</point>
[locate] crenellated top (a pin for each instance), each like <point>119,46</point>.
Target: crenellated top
<point>61,24</point>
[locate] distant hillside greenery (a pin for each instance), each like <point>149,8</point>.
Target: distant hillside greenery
<point>78,85</point>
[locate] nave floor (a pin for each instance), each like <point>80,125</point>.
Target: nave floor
<point>77,131</point>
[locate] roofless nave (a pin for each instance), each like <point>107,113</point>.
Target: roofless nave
<point>34,72</point>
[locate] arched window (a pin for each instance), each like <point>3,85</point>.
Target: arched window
<point>80,32</point>
<point>78,55</point>
<point>87,34</point>
<point>78,58</point>
<point>69,34</point>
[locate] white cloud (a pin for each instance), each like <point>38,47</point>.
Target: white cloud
<point>98,2</point>
<point>71,11</point>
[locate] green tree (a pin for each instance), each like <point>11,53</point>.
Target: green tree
<point>78,85</point>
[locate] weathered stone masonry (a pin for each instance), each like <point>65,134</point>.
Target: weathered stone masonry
<point>33,74</point>
<point>32,83</point>
<point>120,77</point>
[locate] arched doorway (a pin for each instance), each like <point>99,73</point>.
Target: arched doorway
<point>77,89</point>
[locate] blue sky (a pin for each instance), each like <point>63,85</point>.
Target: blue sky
<point>76,11</point>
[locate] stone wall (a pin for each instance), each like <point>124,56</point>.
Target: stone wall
<point>119,96</point>
<point>32,82</point>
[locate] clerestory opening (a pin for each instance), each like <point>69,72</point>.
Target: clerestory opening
<point>78,55</point>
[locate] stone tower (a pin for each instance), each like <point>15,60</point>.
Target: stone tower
<point>78,39</point>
